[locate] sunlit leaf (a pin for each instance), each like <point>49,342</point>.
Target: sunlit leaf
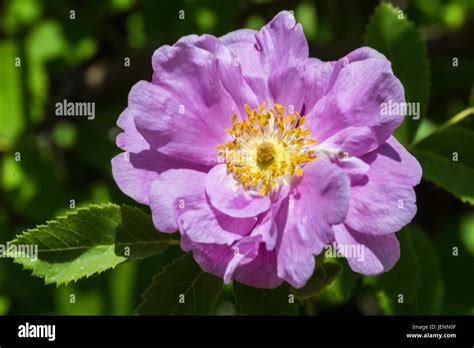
<point>88,241</point>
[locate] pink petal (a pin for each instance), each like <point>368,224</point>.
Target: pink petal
<point>367,254</point>
<point>230,197</point>
<point>319,200</point>
<point>350,93</point>
<point>385,201</point>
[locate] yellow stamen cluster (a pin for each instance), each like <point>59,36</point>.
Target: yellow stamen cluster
<point>267,148</point>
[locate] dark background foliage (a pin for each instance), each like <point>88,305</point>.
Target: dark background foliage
<point>64,159</point>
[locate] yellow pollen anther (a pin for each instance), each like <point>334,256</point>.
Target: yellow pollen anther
<point>267,147</point>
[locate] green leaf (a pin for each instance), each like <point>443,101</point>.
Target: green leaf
<point>182,288</point>
<point>397,38</point>
<point>137,238</point>
<point>88,241</point>
<point>253,301</point>
<point>447,159</point>
<point>414,285</point>
<point>324,274</point>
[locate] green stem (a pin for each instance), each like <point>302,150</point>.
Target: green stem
<point>457,118</point>
<point>452,121</point>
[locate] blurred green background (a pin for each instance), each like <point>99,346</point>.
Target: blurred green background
<point>64,159</point>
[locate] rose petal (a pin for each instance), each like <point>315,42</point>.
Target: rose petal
<point>367,254</point>
<point>209,226</point>
<point>319,200</point>
<point>134,173</point>
<point>173,193</point>
<point>135,170</point>
<point>196,89</point>
<point>385,201</point>
<point>354,93</point>
<point>229,197</point>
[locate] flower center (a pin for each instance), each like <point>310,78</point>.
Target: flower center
<point>265,153</point>
<point>267,148</point>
